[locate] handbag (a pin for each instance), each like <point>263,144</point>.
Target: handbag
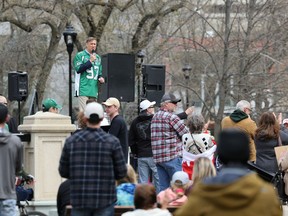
<point>279,185</point>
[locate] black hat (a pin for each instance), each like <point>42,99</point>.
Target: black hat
<point>169,97</point>
<point>233,146</point>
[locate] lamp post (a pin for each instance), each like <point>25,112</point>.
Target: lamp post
<point>69,38</point>
<point>186,70</point>
<point>140,56</point>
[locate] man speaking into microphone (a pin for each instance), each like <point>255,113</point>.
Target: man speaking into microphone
<point>88,72</point>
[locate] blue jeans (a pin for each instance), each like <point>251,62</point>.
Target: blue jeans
<point>166,171</point>
<point>8,207</point>
<point>145,164</point>
<point>107,211</point>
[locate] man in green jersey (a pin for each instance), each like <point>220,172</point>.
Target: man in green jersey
<point>88,68</point>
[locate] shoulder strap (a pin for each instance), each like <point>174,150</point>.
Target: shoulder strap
<point>279,140</point>
<point>197,146</point>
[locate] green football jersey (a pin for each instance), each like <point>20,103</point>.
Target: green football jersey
<point>86,83</point>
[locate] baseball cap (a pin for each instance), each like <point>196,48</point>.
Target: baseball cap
<point>146,104</point>
<point>180,176</point>
<point>49,102</point>
<point>170,97</point>
<point>112,101</point>
<point>285,121</point>
<point>94,108</point>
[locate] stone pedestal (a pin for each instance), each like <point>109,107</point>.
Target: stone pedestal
<point>41,155</point>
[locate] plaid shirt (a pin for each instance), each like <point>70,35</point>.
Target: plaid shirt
<point>92,160</point>
<point>166,132</point>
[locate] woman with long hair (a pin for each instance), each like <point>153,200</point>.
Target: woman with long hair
<point>267,136</point>
<point>203,168</point>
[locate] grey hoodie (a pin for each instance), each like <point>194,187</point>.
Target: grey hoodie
<point>11,156</point>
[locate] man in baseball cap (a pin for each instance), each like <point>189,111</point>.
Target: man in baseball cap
<point>92,160</point>
<point>118,126</point>
<point>50,105</point>
<point>140,143</point>
<point>166,132</point>
<point>112,101</point>
<point>94,111</point>
<point>144,105</point>
<point>170,97</point>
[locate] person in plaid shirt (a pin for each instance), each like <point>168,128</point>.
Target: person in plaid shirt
<point>166,132</point>
<point>92,159</point>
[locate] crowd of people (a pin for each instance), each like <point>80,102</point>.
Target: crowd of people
<point>176,158</point>
<point>179,163</point>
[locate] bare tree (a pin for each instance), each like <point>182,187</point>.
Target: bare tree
<point>227,46</point>
<point>238,49</point>
<point>31,19</point>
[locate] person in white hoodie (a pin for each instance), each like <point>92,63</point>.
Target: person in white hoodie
<point>197,143</point>
<point>145,201</point>
<point>11,157</point>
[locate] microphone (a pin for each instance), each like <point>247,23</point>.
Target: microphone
<point>93,54</point>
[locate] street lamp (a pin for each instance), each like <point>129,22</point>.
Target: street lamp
<point>69,38</point>
<point>140,56</point>
<point>186,70</point>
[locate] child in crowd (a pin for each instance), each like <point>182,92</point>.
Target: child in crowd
<point>176,193</point>
<point>203,168</point>
<point>126,187</point>
<point>145,201</point>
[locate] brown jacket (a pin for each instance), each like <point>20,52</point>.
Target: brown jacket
<point>249,126</point>
<point>247,196</point>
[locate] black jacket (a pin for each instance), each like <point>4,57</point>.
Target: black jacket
<point>140,134</point>
<point>63,197</point>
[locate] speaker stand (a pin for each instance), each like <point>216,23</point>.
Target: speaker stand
<point>19,116</point>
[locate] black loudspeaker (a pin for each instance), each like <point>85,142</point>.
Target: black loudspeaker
<point>119,74</point>
<point>17,86</point>
<point>153,82</point>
